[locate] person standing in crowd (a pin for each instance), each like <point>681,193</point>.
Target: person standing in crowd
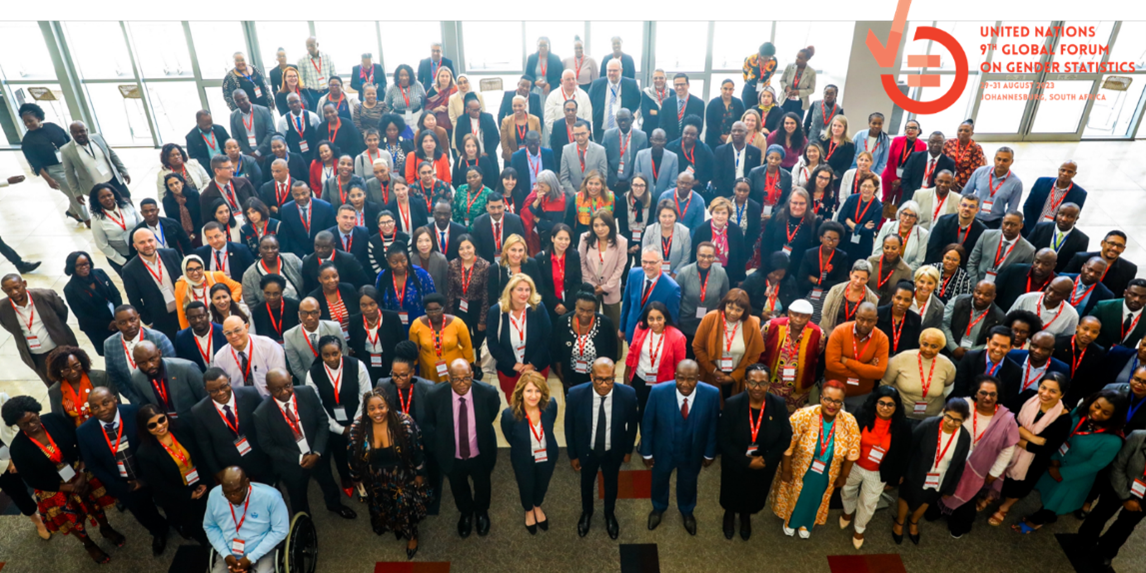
<point>724,354</point>
<point>173,384</point>
<point>675,242</point>
<point>248,358</point>
<point>406,96</point>
<point>642,289</point>
<point>263,534</point>
<point>913,238</point>
<point>732,161</point>
<point>947,279</point>
<point>252,125</point>
<point>38,321</point>
<point>149,280</point>
<point>922,376</point>
<point>428,68</point>
<point>997,187</point>
<point>1122,491</point>
<point>962,228</point>
<point>442,338</point>
<point>659,166</point>
<point>520,341</point>
<point>1017,280</point>
<point>303,219</point>
<point>1052,306</point>
<point>758,71</point>
<point>272,261</point>
<point>560,273</point>
<point>300,126</point>
<point>581,337</point>
<point>888,255</point>
<point>167,457</point>
<point>931,193</point>
<point>885,441</point>
<point>1049,194</point>
<point>822,112</point>
<point>861,213</point>
<point>859,366</point>
<point>998,249</point>
<point>628,67</point>
<point>73,379</point>
<point>118,349</point>
<point>603,261</point>
<point>820,270</point>
<point>967,155</point>
<point>42,146</point>
<point>340,381</point>
<point>225,429</point>
<point>411,395</point>
<point>1120,317</point>
<point>701,290</point>
<point>248,79</point>
<point>343,102</point>
<point>532,160</point>
<point>1084,358</point>
<point>721,113</point>
<point>88,161</point>
<point>373,342</point>
<point>199,341</point>
<point>466,292</point>
<point>730,246</point>
<point>896,319</point>
<point>173,160</point>
<point>902,148</point>
<point>12,483</point>
<point>843,300</point>
<point>169,233</point>
<point>791,353</point>
<point>205,141</point>
<point>115,221</point>
<point>533,455</point>
<point>660,346</point>
<point>873,140</point>
<point>1119,271</point>
<point>515,131</point>
<point>927,478</point>
<point>1060,235</point>
<point>316,67</point>
<point>798,83</point>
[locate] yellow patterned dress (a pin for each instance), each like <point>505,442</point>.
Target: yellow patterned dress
<point>806,428</point>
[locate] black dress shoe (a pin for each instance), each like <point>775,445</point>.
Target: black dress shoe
<point>583,524</point>
<point>482,524</point>
<point>544,525</point>
<point>611,526</point>
<point>745,526</point>
<point>654,519</point>
<point>532,529</point>
<point>465,525</point>
<point>729,524</point>
<point>913,536</point>
<point>690,524</point>
<point>158,544</point>
<point>27,267</point>
<point>345,512</point>
<point>898,537</point>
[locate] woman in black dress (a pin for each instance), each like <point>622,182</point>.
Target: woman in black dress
<point>92,296</point>
<point>580,337</point>
<point>167,460</point>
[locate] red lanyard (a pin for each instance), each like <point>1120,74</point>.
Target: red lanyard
<point>122,222</point>
<point>118,439</point>
<point>1040,287</point>
<point>859,215</point>
<point>466,278</point>
<point>305,221</point>
<point>832,145</point>
<point>990,183</point>
<point>652,287</point>
<point>405,215</point>
<point>703,283</point>
<point>220,264</point>
<point>336,315</point>
<point>856,354</point>
<point>532,167</point>
<point>581,157</point>
<point>772,187</point>
<point>183,460</point>
<point>820,252</point>
<point>539,433</point>
<point>1055,204</point>
<point>400,295</point>
<point>123,341</point>
<point>691,158</point>
<point>250,356</point>
<point>896,334</point>
<point>311,346</point>
<point>729,337</point>
<point>754,426</point>
<point>299,126</point>
<point>961,236</point>
<point>161,389</point>
<point>558,268</point>
<point>366,327</point>
<point>1075,362</point>
<point>960,150</point>
<point>1027,374</point>
<point>879,282</point>
<point>277,326</point>
<point>32,311</point>
<point>348,242</point>
<point>334,381</point>
<point>850,313</point>
<point>405,404</point>
<point>405,96</point>
<point>1039,307</point>
<point>993,369</point>
<point>251,127</point>
<point>624,143</point>
<point>581,340</point>
<point>999,251</point>
<point>827,116</point>
<point>974,320</point>
<point>228,192</point>
<point>52,450</point>
<point>790,233</point>
<point>296,426</point>
<point>1080,423</point>
<point>939,455</point>
<point>655,349</point>
<point>1075,300</point>
<point>873,151</point>
<point>521,131</point>
<point>927,176</point>
<point>471,200</point>
<point>824,444</point>
<point>519,326</point>
<point>908,147</point>
<point>666,246</point>
<point>676,197</point>
<point>210,142</point>
<point>975,424</point>
<point>1133,325</point>
<point>930,375</point>
<point>943,289</point>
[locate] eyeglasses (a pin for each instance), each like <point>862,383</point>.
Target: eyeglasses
<point>160,420</point>
<point>985,394</point>
<point>882,404</point>
<point>831,402</point>
<point>954,420</point>
<point>464,380</point>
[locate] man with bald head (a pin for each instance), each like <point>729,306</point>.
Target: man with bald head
<point>1088,287</point>
<point>1017,280</point>
<point>1060,235</point>
<point>600,430</point>
<point>149,280</point>
<point>609,95</point>
<point>1084,357</point>
<point>689,204</point>
<point>679,433</point>
<point>558,95</point>
<point>657,164</point>
<point>1048,194</point>
<point>734,160</point>
<point>265,523</point>
<point>301,342</point>
<point>1037,361</point>
<point>300,126</point>
<point>205,140</point>
<point>857,354</point>
<point>622,144</point>
<point>999,248</point>
<point>968,318</point>
<point>1052,306</point>
<point>88,161</point>
<point>173,384</point>
<point>459,433</point>
<point>248,358</point>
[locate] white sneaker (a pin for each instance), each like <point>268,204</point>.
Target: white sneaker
<point>789,531</point>
<point>804,533</point>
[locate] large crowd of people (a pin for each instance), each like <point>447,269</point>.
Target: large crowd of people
<point>823,307</point>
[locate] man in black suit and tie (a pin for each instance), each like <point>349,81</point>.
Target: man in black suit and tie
<point>206,139</point>
<point>225,428</point>
<point>1016,280</point>
<point>734,160</point>
<point>276,191</point>
<point>1061,235</point>
<point>411,393</point>
<point>600,428</point>
<point>428,68</point>
<point>303,219</point>
<point>524,86</point>
<point>1088,290</point>
<point>677,107</point>
<point>921,168</point>
<point>293,430</point>
<point>493,226</point>
<point>459,430</point>
<point>1085,358</point>
<point>149,280</point>
<point>350,238</point>
<point>609,95</point>
<point>445,231</point>
<point>349,269</point>
<point>168,232</point>
<point>1121,317</point>
<point>108,442</point>
<point>963,228</point>
<point>528,163</point>
<point>991,360</point>
<point>173,384</point>
<point>199,342</point>
<point>1119,271</point>
<point>221,255</point>
<point>224,185</point>
<point>968,318</point>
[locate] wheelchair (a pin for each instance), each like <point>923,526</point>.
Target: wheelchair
<point>298,553</point>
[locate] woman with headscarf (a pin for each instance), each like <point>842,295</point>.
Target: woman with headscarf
<point>92,297</point>
<point>457,103</point>
<point>181,202</point>
<point>195,285</point>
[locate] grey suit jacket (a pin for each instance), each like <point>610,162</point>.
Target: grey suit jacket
<point>667,170</point>
<point>115,361</point>
<point>292,270</point>
<point>612,143</point>
<point>982,258</point>
<point>298,354</point>
<point>571,174</point>
<point>77,175</point>
<point>688,277</point>
<point>422,388</point>
<point>184,387</point>
<point>264,129</point>
<point>98,378</point>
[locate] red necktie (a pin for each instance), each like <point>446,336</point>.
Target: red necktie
<point>684,409</point>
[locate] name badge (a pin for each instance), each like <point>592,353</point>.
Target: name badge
<point>899,172</point>
<point>59,157</point>
<point>122,468</point>
<point>375,360</point>
<point>33,342</point>
<point>321,80</point>
<point>919,408</point>
<point>689,170</point>
<point>650,377</point>
<point>339,414</point>
<point>496,260</point>
<point>967,343</point>
<point>621,170</point>
<point>303,146</point>
<point>987,205</point>
<point>637,235</point>
<point>856,236</point>
<point>853,381</point>
<point>409,117</point>
<point>467,221</point>
<point>242,445</point>
<point>1138,488</point>
<point>816,294</point>
<point>540,455</point>
<point>666,267</point>
<point>726,363</point>
<point>931,481</point>
<point>1063,449</point>
<point>751,450</point>
<point>990,276</point>
<point>818,466</point>
<point>66,472</point>
<point>788,374</point>
<point>168,298</point>
<point>251,141</point>
<point>463,305</point>
<point>442,369</point>
<point>192,476</point>
<point>701,311</point>
<point>173,415</point>
<point>1048,218</point>
<point>766,211</point>
<point>238,547</point>
<point>581,366</point>
<point>787,249</point>
<point>258,92</point>
<point>875,455</point>
<point>404,317</point>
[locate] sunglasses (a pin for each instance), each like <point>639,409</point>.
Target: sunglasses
<point>160,420</point>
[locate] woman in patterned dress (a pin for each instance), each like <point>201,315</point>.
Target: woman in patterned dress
<point>71,370</point>
<point>387,458</point>
<point>580,337</point>
<point>791,352</point>
<point>967,154</point>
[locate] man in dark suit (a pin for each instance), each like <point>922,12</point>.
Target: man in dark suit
<point>678,106</point>
<point>990,360</point>
<point>1042,204</point>
<point>169,233</point>
<point>968,318</point>
<point>297,167</point>
<point>622,144</point>
<point>459,433</point>
<point>493,226</point>
<point>1037,361</point>
<point>610,94</point>
<point>428,67</point>
<point>224,185</point>
<point>252,125</point>
<point>108,443</point>
<point>1060,235</point>
<point>647,284</point>
<point>199,342</point>
<point>733,160</point>
<point>1084,357</point>
<point>300,126</point>
<point>680,429</point>
<point>600,428</point>
<point>445,231</point>
<point>963,228</point>
<point>149,280</point>
<point>293,430</point>
<point>225,428</point>
<point>276,191</point>
<point>1119,271</point>
<point>696,156</point>
<point>302,220</point>
<point>411,394</point>
<point>1017,280</point>
<point>921,165</point>
<point>173,384</point>
<point>524,86</point>
<point>349,269</point>
<point>528,163</point>
<point>350,238</point>
<point>1121,317</point>
<point>206,139</point>
<point>38,321</point>
<point>367,73</point>
<point>221,255</point>
<point>487,132</point>
<point>1088,290</point>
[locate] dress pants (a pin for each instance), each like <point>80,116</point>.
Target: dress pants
<point>14,488</point>
<point>1109,504</point>
<point>265,564</point>
<point>467,501</point>
<point>41,362</point>
<point>793,106</point>
<point>10,253</point>
<point>338,450</point>
<point>142,506</point>
<point>610,466</point>
<point>533,482</point>
<point>686,477</point>
<point>74,206</point>
<point>860,495</point>
<point>298,482</point>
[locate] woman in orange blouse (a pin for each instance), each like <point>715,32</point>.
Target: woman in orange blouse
<point>71,369</point>
<point>441,339</point>
<point>429,149</point>
<point>967,154</point>
<point>727,341</point>
<point>195,285</point>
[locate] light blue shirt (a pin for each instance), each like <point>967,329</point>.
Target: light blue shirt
<point>878,153</point>
<point>266,523</point>
<point>693,215</point>
<point>1080,288</point>
<point>1007,194</point>
<point>209,138</point>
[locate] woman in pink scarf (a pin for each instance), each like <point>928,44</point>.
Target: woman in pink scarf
<point>1044,424</point>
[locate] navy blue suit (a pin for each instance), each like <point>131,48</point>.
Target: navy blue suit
<point>1033,206</point>
<point>666,290</point>
<point>359,244</point>
<point>239,259</point>
<point>676,443</point>
<point>1100,293</point>
<point>293,236</point>
<point>1019,357</point>
<point>580,433</point>
<point>186,348</point>
<point>532,476</point>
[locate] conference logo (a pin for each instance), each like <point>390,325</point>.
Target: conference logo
<point>885,55</point>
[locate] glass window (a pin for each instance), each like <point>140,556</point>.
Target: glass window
<point>161,48</point>
<point>493,97</point>
<point>23,55</point>
<point>1079,48</point>
<point>55,110</point>
<point>173,106</point>
<point>632,36</point>
<point>122,120</point>
<point>1062,107</point>
<point>290,36</point>
<point>998,57</point>
<point>948,119</point>
<point>681,46</point>
<point>397,47</point>
<point>833,42</point>
<point>215,46</point>
<point>970,36</point>
<point>345,42</point>
<point>1001,115</point>
<point>494,46</point>
<point>1130,46</point>
<point>99,50</point>
<point>1113,113</point>
<point>734,41</point>
<point>560,36</point>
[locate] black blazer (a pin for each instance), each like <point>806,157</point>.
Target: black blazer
<point>671,125</point>
<point>359,243</point>
<point>622,204</point>
<point>628,68</point>
<point>490,133</point>
<point>548,288</point>
<point>267,327</point>
<point>702,169</point>
<point>388,338</point>
<point>1012,283</point>
<point>517,433</point>
<point>775,235</point>
<point>908,334</point>
<point>171,208</point>
<point>498,277</point>
<point>376,252</point>
<point>146,297</point>
<point>486,163</point>
<point>974,363</point>
<point>894,463</point>
<point>734,434</point>
<point>162,474</point>
<point>347,139</point>
<point>538,329</point>
<point>356,80</point>
<point>438,431</point>
<point>714,123</point>
<point>945,231</point>
<point>579,430</point>
<point>724,171</point>
<point>758,182</point>
<point>350,272</point>
<point>299,170</point>
<point>248,167</point>
<point>650,120</point>
<point>455,230</point>
<point>349,298</point>
<point>924,442</point>
<point>418,215</point>
<point>309,98</point>
<point>756,285</point>
<point>535,108</point>
<point>93,314</point>
<point>599,97</point>
<point>239,258</point>
<point>553,69</point>
<point>173,234</point>
<point>558,139</point>
<point>37,471</point>
<point>737,249</point>
<point>425,70</point>
<point>187,349</point>
<point>419,409</point>
<point>216,441</point>
<point>913,170</point>
<point>98,458</point>
<point>197,148</point>
<point>1087,378</point>
<point>483,233</point>
<point>1042,236</point>
<point>277,438</point>
<point>810,267</point>
<point>1118,276</point>
<point>962,317</point>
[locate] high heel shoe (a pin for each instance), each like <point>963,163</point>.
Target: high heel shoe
<point>913,536</point>
<point>544,525</point>
<point>410,553</point>
<point>898,537</point>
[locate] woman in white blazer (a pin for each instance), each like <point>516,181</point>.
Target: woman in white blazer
<point>906,218</point>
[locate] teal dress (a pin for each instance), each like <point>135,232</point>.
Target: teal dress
<point>1088,454</point>
<point>815,484</point>
<point>465,212</point>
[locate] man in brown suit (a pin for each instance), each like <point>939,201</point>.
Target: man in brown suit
<point>38,321</point>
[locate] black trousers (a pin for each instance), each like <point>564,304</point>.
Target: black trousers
<point>10,253</point>
<point>1109,504</point>
<point>643,390</point>
<point>338,450</point>
<point>470,501</point>
<point>14,488</point>
<point>297,483</point>
<point>533,482</point>
<point>434,475</point>
<point>141,505</point>
<point>959,521</point>
<point>610,466</point>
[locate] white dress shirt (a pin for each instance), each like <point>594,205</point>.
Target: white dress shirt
<point>263,354</point>
<point>303,443</point>
<point>608,421</point>
<point>43,340</point>
<point>363,387</point>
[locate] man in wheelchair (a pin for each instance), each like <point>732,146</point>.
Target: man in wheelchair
<point>245,522</point>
